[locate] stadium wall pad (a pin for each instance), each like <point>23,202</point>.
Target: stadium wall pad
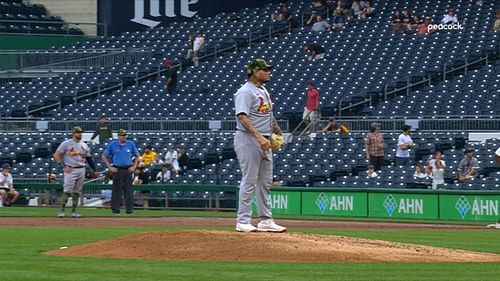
<point>460,205</point>
<point>38,42</point>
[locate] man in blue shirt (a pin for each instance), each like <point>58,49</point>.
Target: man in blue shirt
<point>124,159</point>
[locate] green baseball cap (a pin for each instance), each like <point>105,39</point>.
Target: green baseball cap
<point>77,129</point>
<point>122,132</point>
<point>257,64</point>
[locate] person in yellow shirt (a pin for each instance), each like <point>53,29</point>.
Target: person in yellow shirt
<point>148,156</point>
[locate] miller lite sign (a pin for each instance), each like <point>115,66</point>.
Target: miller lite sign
<point>147,18</point>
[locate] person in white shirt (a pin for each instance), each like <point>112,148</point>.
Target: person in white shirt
<point>171,158</point>
<point>497,155</point>
<point>198,44</point>
<point>436,167</point>
<point>451,17</point>
<point>371,172</point>
<point>7,192</point>
<point>419,174</point>
<point>164,175</point>
<point>405,143</point>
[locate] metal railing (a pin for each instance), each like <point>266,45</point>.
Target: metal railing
<point>145,125</point>
<point>63,28</point>
<point>420,79</point>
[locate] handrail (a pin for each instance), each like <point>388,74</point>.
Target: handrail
<point>98,26</point>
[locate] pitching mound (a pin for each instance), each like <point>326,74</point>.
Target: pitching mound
<point>285,247</point>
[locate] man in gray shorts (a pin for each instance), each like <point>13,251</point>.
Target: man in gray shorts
<point>255,124</point>
<point>72,156</point>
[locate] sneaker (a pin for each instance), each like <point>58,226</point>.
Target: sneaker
<point>494,225</point>
<point>245,227</point>
<point>60,214</point>
<point>270,226</point>
<point>75,215</point>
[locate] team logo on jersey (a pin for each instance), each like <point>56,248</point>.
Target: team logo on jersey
<point>263,106</point>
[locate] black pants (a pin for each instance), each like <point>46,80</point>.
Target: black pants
<point>122,183</point>
<point>377,162</point>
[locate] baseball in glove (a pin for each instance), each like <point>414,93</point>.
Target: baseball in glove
<point>277,141</point>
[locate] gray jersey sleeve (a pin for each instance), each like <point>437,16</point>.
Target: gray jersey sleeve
<point>243,102</point>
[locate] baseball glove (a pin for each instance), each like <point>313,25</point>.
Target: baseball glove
<point>277,141</point>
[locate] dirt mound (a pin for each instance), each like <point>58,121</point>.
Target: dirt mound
<point>296,247</point>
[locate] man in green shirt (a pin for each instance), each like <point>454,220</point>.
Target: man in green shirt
<point>103,130</point>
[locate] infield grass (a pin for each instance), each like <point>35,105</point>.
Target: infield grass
<point>21,257</point>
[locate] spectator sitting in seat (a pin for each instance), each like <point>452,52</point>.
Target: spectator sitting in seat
<point>436,168</point>
<point>171,157</point>
<point>148,156</point>
<point>496,26</point>
<point>183,159</point>
<point>367,11</point>
<point>397,23</point>
<point>331,127</point>
<point>407,21</point>
<point>358,8</point>
<point>283,14</point>
<point>415,22</point>
<point>449,18</point>
<point>158,161</point>
<point>141,177</point>
<point>321,25</point>
<point>343,9</point>
<point>423,28</point>
<point>315,51</point>
<point>7,192</point>
<point>165,174</point>
<point>371,172</point>
<point>467,168</point>
<point>318,7</point>
<point>419,174</point>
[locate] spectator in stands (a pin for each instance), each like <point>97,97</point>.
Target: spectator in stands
<point>374,146</point>
<point>497,155</point>
<point>496,26</point>
<point>423,28</point>
<point>141,177</point>
<point>368,10</point>
<point>8,194</point>
<point>451,17</point>
<point>467,168</point>
<point>371,172</point>
<point>171,81</point>
<point>331,127</point>
<point>318,7</point>
<point>405,143</point>
<point>103,130</point>
<point>312,19</point>
<point>198,45</point>
<point>283,14</point>
<point>321,25</point>
<point>183,159</point>
<point>397,23</point>
<point>190,45</point>
<point>358,8</point>
<point>311,110</point>
<point>165,174</point>
<point>148,156</point>
<point>436,168</point>
<point>171,157</point>
<point>407,21</point>
<point>419,173</point>
<point>343,9</point>
<point>157,161</point>
<point>124,160</point>
<point>315,51</point>
<point>416,21</point>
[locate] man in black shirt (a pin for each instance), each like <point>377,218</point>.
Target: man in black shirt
<point>171,82</point>
<point>315,51</point>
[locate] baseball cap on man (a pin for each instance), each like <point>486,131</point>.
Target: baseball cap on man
<point>77,129</point>
<point>122,132</point>
<point>6,166</point>
<point>257,64</point>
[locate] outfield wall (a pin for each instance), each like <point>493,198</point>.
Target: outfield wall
<point>460,205</point>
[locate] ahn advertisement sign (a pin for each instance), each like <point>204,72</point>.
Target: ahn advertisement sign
<point>411,206</point>
<point>470,207</point>
<point>137,15</point>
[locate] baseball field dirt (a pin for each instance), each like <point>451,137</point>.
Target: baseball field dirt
<point>232,246</point>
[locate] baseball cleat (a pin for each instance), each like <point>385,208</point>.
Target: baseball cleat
<point>60,214</point>
<point>494,225</point>
<point>245,227</point>
<point>270,226</point>
<point>75,215</point>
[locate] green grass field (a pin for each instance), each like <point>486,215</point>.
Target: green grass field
<point>21,258</point>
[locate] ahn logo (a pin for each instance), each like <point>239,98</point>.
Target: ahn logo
<point>141,16</point>
<point>322,202</point>
<point>390,204</point>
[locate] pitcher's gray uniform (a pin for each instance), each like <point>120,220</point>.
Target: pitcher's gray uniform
<point>255,124</point>
<point>255,165</point>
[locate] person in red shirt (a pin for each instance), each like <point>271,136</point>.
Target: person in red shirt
<point>311,111</point>
<point>423,28</point>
